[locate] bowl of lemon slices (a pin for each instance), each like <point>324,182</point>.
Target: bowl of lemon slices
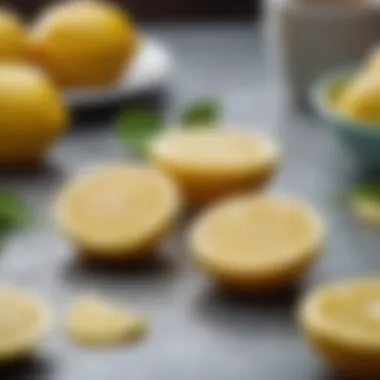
<point>348,101</point>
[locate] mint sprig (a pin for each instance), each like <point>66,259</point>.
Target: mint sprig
<point>14,212</point>
<point>201,114</point>
<point>138,127</point>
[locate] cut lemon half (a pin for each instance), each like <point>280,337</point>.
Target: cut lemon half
<point>24,323</point>
<point>209,164</point>
<point>255,243</point>
<point>342,321</point>
<point>95,322</point>
<point>118,212</point>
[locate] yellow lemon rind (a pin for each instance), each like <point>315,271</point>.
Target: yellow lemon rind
<point>203,183</point>
<point>122,249</point>
<point>346,351</point>
<point>260,276</point>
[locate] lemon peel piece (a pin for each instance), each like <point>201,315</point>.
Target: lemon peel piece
<point>95,322</point>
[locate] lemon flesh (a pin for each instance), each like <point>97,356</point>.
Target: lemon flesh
<point>119,211</point>
<point>255,243</point>
<point>209,164</point>
<point>83,43</point>
<point>94,322</point>
<point>342,321</point>
<point>24,322</point>
<point>360,99</point>
<point>13,38</point>
<point>32,114</point>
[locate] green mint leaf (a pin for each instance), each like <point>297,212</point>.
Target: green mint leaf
<point>369,191</point>
<point>138,127</point>
<point>14,213</point>
<point>201,114</point>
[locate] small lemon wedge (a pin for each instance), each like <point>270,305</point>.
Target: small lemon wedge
<point>94,322</point>
<point>342,321</point>
<point>118,212</point>
<point>255,243</point>
<point>24,323</point>
<point>209,164</point>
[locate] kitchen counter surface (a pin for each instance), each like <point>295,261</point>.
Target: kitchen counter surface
<point>196,331</point>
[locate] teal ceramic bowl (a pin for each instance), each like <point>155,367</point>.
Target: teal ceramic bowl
<point>362,139</point>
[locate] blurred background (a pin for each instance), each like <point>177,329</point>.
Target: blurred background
<point>167,10</point>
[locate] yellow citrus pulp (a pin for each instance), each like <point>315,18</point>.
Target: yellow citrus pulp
<point>342,321</point>
<point>118,212</point>
<point>32,114</point>
<point>83,43</point>
<point>13,38</point>
<point>95,322</point>
<point>24,322</point>
<point>209,164</point>
<point>254,243</point>
<point>360,99</point>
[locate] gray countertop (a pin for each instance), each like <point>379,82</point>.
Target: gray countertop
<point>196,331</point>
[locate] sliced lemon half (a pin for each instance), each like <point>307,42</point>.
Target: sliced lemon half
<point>255,243</point>
<point>209,164</point>
<point>24,322</point>
<point>95,322</point>
<point>118,212</point>
<point>342,321</point>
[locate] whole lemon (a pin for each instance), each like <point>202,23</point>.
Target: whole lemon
<point>13,37</point>
<point>31,114</point>
<point>83,43</point>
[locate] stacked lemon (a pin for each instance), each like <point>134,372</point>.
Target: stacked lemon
<point>91,49</point>
<point>13,38</point>
<point>32,113</point>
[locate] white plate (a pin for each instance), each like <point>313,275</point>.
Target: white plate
<point>150,68</point>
